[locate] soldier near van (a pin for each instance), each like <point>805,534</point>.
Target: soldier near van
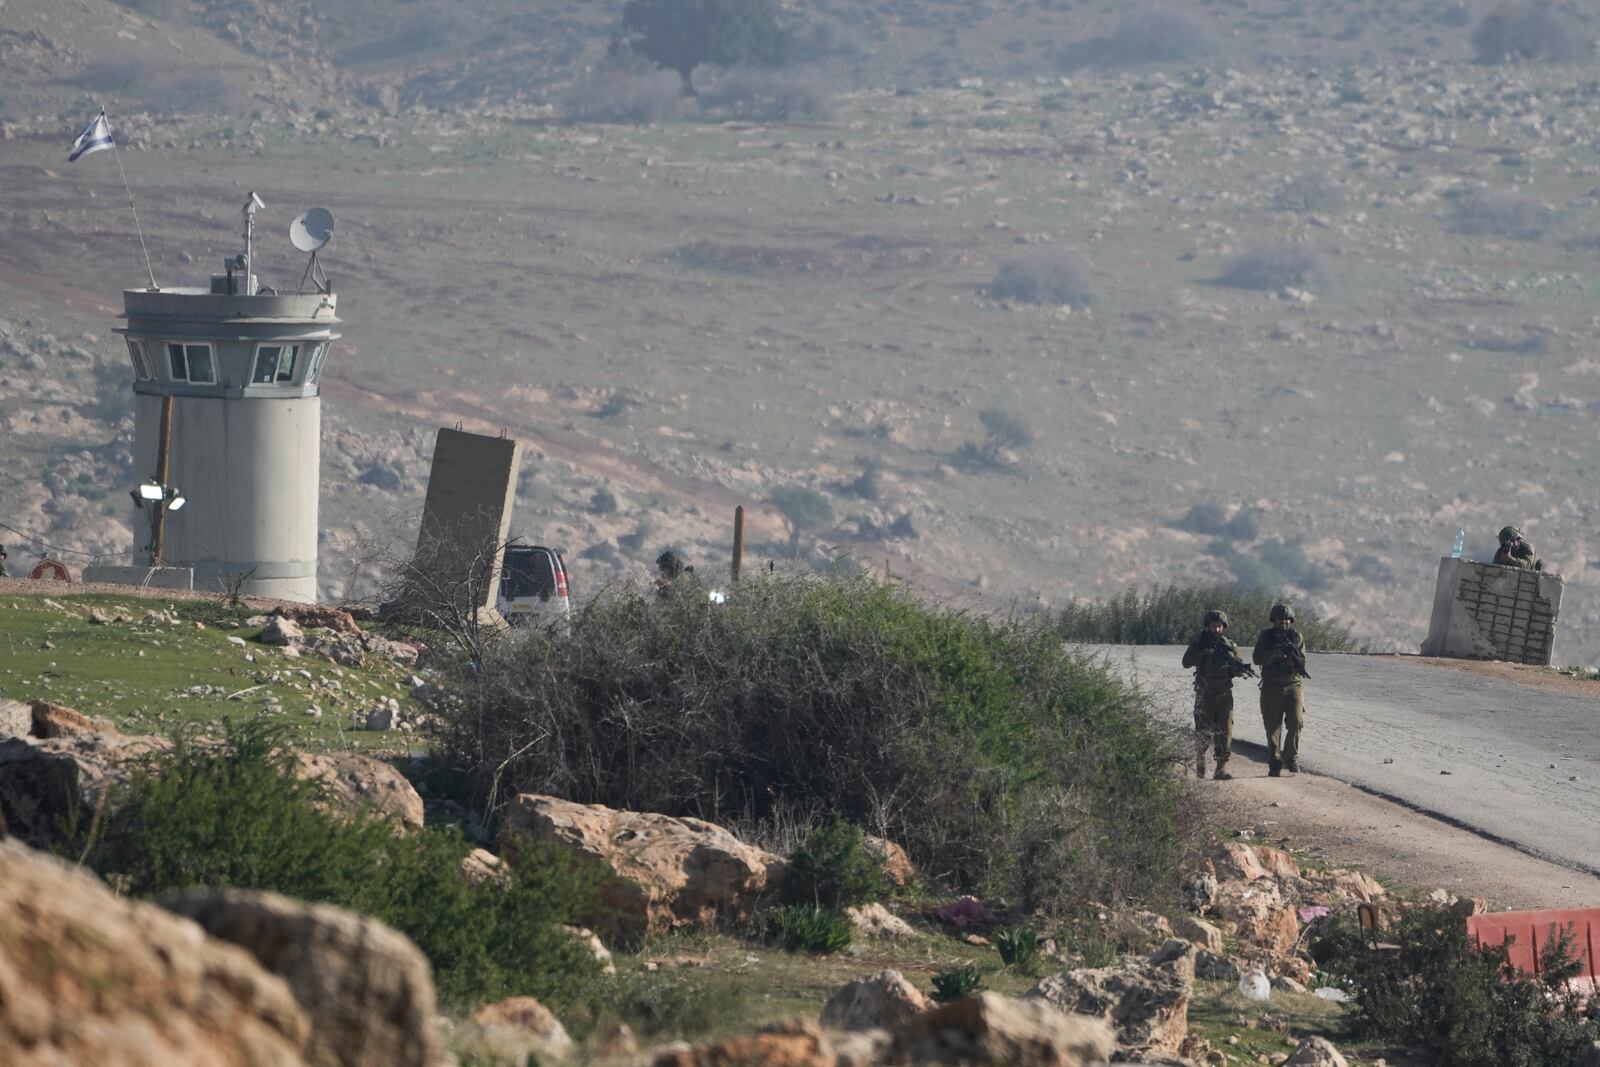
<point>1515,552</point>
<point>1281,654</point>
<point>1216,663</point>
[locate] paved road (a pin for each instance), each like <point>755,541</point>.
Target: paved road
<point>1518,764</point>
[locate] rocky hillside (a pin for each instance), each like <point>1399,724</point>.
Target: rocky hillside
<point>1316,318</point>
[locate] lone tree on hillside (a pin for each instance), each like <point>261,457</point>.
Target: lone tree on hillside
<point>682,34</point>
<point>804,508</point>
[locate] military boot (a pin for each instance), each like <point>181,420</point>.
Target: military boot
<point>1274,769</point>
<point>1292,766</point>
<point>1199,764</point>
<point>1221,774</point>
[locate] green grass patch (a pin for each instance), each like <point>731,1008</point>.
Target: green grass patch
<point>161,678</point>
<point>1170,615</point>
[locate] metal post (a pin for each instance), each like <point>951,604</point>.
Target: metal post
<point>158,520</point>
<point>738,541</point>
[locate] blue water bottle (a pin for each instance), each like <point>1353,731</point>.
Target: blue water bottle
<point>1461,541</point>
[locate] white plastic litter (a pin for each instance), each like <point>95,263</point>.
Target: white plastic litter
<point>1255,985</point>
<point>1333,993</point>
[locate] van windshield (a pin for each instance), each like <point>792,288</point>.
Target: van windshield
<point>528,572</point>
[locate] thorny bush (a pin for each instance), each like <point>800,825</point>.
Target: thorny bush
<point>1003,763</point>
<point>1463,1004</point>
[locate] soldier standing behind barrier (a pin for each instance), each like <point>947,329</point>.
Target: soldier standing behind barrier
<point>1216,664</point>
<point>1515,552</point>
<point>1281,654</point>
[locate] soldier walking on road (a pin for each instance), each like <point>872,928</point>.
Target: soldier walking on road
<point>1216,664</point>
<point>1281,654</point>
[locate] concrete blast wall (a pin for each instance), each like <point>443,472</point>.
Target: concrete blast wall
<point>1484,611</point>
<point>467,516</point>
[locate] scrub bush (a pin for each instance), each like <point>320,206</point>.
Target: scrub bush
<point>236,816</point>
<point>1002,761</point>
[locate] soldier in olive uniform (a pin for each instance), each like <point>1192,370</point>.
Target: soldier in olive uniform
<point>1281,654</point>
<point>1216,664</point>
<point>1515,552</point>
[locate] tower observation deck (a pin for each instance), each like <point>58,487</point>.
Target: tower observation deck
<point>227,409</point>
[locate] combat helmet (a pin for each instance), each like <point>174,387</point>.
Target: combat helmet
<point>1215,616</point>
<point>1510,534</point>
<point>1280,611</point>
<point>670,564</point>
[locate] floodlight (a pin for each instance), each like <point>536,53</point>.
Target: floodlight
<point>177,502</point>
<point>150,491</point>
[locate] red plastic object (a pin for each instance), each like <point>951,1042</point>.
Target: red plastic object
<point>49,570</point>
<point>1531,931</point>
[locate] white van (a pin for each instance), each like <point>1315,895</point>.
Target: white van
<point>533,585</point>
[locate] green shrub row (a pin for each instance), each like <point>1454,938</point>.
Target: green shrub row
<point>1002,761</point>
<point>236,816</point>
<point>1170,615</point>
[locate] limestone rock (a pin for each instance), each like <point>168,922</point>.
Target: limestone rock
<point>990,1028</point>
<point>89,977</point>
<point>480,865</point>
<point>1147,1003</point>
<point>897,865</point>
<point>16,719</point>
<point>597,948</point>
<point>358,783</point>
<point>366,989</point>
<point>315,616</point>
<point>1236,861</point>
<point>879,1001</point>
<point>516,1030</point>
<point>1138,931</point>
<point>876,922</point>
<point>44,783</point>
<point>281,631</point>
<point>1215,967</point>
<point>1199,933</point>
<point>58,720</point>
<point>1316,1052</point>
<point>790,1044</point>
<point>674,872</point>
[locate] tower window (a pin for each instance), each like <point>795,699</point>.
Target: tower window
<point>191,363</point>
<point>274,363</point>
<point>318,353</point>
<point>141,360</point>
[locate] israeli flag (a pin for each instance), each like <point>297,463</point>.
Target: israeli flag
<point>95,137</point>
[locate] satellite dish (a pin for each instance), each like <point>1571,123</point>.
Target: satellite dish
<point>311,229</point>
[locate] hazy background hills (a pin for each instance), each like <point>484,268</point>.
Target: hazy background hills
<point>1040,299</point>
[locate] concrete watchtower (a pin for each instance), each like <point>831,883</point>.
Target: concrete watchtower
<point>228,412</point>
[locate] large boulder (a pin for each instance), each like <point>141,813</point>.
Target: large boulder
<point>16,718</point>
<point>874,922</point>
<point>358,783</point>
<point>514,1030</point>
<point>672,872</point>
<point>47,784</point>
<point>896,863</point>
<point>1316,1052</point>
<point>281,631</point>
<point>1236,861</point>
<point>89,977</point>
<point>1145,1001</point>
<point>366,989</point>
<point>874,1002</point>
<point>788,1044</point>
<point>58,720</point>
<point>990,1028</point>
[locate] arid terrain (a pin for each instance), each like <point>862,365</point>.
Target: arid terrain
<point>682,316</point>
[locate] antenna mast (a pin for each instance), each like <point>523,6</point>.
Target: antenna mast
<point>251,206</point>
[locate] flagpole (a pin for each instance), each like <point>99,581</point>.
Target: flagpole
<point>136,227</point>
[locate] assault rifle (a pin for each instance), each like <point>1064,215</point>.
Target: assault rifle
<point>1215,645</point>
<point>1296,658</point>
